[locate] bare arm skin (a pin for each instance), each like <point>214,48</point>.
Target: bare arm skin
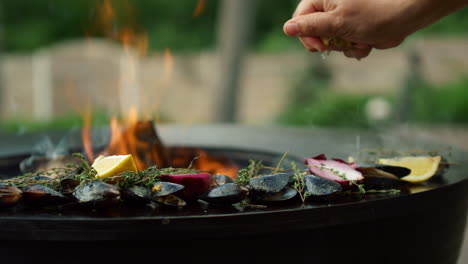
<point>367,24</point>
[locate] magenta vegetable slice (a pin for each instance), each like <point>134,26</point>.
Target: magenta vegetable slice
<point>334,169</point>
<point>195,184</point>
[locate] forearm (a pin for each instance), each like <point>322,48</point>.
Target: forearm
<point>430,11</point>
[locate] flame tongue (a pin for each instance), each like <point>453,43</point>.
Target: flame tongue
<point>140,139</point>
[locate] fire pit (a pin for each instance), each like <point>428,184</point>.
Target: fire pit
<point>422,227</point>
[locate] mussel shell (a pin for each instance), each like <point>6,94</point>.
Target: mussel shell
<point>270,183</point>
<point>162,188</point>
<point>97,192</point>
<point>374,170</point>
<point>382,183</point>
<point>137,194</point>
<point>69,184</point>
<point>170,200</point>
<point>228,193</point>
<point>40,194</point>
<point>319,186</point>
<point>220,179</point>
<point>9,195</point>
<point>283,195</point>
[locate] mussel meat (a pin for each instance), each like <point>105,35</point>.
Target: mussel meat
<point>9,195</point>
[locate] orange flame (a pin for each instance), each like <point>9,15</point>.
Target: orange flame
<point>138,138</point>
<point>86,134</point>
<point>168,65</point>
<point>215,165</point>
<point>133,136</point>
<point>106,15</point>
<point>199,8</point>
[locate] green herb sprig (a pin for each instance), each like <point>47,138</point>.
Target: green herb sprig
<point>252,170</point>
<point>299,181</point>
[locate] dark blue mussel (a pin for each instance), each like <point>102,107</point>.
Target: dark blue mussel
<point>9,195</point>
<point>97,192</point>
<point>270,183</point>
<point>40,194</point>
<point>316,186</point>
<point>228,193</point>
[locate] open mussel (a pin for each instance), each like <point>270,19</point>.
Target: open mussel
<point>170,200</point>
<point>9,195</point>
<point>378,183</point>
<point>228,193</point>
<point>220,179</point>
<point>283,195</point>
<point>40,194</point>
<point>165,188</point>
<point>97,192</point>
<point>316,186</point>
<point>270,183</point>
<point>136,194</point>
<point>384,171</point>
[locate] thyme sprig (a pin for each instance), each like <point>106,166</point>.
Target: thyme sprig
<point>84,173</point>
<point>251,171</point>
<point>299,181</point>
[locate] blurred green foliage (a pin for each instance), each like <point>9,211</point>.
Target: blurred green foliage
<point>31,24</point>
<point>329,109</point>
<point>431,104</point>
<point>63,122</point>
<point>441,103</point>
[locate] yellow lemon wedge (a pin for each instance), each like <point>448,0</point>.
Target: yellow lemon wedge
<point>422,167</point>
<point>112,165</point>
<point>98,159</point>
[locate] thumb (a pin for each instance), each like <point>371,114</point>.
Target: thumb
<point>322,24</point>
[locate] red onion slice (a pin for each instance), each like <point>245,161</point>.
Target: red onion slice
<point>334,169</point>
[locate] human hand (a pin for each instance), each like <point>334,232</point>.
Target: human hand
<point>360,25</point>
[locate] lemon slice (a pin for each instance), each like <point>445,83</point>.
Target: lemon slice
<point>112,165</point>
<point>422,167</point>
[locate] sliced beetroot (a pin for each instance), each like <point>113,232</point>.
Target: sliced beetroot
<point>195,184</point>
<point>335,169</point>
